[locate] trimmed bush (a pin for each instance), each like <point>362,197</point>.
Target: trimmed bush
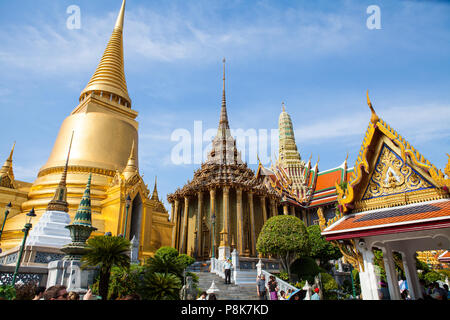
<point>305,268</point>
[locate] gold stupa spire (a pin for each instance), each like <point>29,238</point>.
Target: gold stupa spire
<point>155,195</point>
<point>59,201</point>
<point>109,77</point>
<point>7,166</point>
<point>132,166</point>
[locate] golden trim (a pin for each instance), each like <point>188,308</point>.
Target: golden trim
<point>351,254</point>
<point>77,169</point>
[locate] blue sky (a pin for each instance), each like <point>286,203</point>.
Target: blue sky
<point>318,57</point>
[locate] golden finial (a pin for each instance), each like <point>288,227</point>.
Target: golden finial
<point>283,106</point>
<point>120,18</point>
<point>109,77</point>
<point>12,151</point>
<point>346,158</point>
<point>374,119</point>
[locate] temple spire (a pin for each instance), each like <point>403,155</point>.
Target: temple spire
<point>223,114</point>
<point>155,192</point>
<point>131,167</point>
<point>84,213</point>
<point>109,77</point>
<point>59,201</point>
<point>120,18</point>
<point>7,166</point>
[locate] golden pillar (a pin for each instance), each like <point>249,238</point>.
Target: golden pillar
<point>185,225</point>
<point>175,219</point>
<point>212,199</point>
<point>292,211</point>
<point>285,209</point>
<point>224,242</point>
<point>263,206</point>
<point>174,230</point>
<point>273,207</point>
<point>252,224</point>
<point>199,223</point>
<point>240,222</point>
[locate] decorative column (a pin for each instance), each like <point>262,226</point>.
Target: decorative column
<point>273,207</point>
<point>285,209</point>
<point>175,206</point>
<point>391,273</point>
<point>185,225</point>
<point>240,221</point>
<point>224,249</point>
<point>252,224</point>
<point>292,211</point>
<point>264,209</point>
<point>199,223</point>
<point>212,208</point>
<point>368,279</point>
<point>409,264</point>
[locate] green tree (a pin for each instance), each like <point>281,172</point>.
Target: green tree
<point>160,286</point>
<point>328,286</point>
<point>124,281</point>
<point>320,248</point>
<point>106,252</point>
<point>285,237</point>
<point>433,276</point>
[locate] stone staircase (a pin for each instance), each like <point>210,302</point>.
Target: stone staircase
<point>227,291</point>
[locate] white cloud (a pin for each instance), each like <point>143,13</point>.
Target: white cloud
<point>414,123</point>
<point>172,36</point>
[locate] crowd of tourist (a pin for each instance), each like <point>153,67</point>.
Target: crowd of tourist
<point>59,292</point>
<point>276,294</point>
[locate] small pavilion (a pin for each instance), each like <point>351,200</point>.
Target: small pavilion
<point>395,201</point>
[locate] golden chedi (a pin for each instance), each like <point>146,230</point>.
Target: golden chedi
<point>105,144</point>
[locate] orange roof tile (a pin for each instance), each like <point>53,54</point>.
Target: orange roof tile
<point>328,179</point>
<point>388,217</point>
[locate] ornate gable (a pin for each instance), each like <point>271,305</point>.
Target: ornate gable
<point>389,172</point>
<point>391,175</point>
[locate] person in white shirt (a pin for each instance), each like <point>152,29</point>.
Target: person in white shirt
<point>227,269</point>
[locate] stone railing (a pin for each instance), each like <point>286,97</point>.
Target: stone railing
<point>25,275</point>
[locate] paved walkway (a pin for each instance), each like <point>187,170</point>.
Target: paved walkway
<point>227,291</point>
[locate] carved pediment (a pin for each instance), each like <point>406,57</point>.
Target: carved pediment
<point>7,182</point>
<point>392,176</point>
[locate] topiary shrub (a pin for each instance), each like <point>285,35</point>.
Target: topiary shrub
<point>328,284</point>
<point>305,268</point>
<point>167,253</point>
<point>285,237</point>
<point>185,260</point>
